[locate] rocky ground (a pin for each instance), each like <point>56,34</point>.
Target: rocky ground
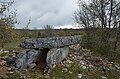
<point>93,67</point>
<point>80,64</point>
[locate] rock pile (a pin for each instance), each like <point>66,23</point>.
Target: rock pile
<point>90,63</point>
<point>46,52</point>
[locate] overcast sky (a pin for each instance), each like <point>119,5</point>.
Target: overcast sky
<point>42,12</point>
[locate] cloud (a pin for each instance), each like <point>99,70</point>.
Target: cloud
<point>42,12</point>
<point>67,27</point>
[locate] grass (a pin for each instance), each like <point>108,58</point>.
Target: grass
<point>13,45</point>
<point>58,74</point>
<point>3,54</point>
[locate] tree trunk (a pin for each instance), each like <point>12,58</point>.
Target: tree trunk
<point>2,45</point>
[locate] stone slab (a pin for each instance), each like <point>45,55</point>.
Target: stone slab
<point>50,42</point>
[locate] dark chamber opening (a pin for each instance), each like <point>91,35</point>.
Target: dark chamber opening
<point>41,61</point>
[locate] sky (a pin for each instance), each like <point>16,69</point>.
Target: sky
<point>58,13</point>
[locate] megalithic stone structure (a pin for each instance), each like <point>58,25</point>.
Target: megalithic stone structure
<point>44,51</point>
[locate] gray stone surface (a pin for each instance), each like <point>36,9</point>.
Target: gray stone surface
<point>10,61</point>
<point>50,42</point>
<point>56,55</point>
<point>26,59</point>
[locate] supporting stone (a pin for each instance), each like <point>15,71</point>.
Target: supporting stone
<point>56,55</point>
<point>26,59</point>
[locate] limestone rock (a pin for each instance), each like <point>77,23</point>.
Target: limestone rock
<point>2,77</point>
<point>80,76</point>
<point>10,61</point>
<point>44,52</point>
<point>64,70</point>
<point>56,55</point>
<point>50,42</point>
<point>26,59</point>
<point>103,77</point>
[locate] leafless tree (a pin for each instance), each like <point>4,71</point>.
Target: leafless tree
<point>7,22</point>
<point>48,30</point>
<point>7,17</point>
<point>100,14</point>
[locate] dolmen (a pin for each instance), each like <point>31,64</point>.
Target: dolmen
<point>44,53</point>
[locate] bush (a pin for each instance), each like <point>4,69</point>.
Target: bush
<point>95,42</point>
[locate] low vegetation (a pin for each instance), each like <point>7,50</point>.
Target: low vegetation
<point>101,21</point>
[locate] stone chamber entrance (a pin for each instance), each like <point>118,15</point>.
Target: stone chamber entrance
<point>41,60</point>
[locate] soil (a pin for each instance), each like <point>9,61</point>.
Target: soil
<point>3,68</point>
